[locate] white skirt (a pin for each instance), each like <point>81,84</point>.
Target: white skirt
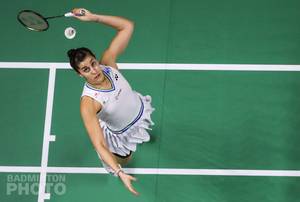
<point>123,143</point>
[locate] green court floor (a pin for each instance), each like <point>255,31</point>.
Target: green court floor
<point>204,119</point>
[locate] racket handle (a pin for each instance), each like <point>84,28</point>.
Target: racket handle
<point>70,14</point>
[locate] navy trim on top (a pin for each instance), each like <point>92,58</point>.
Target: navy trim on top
<point>106,69</point>
<point>133,122</point>
<point>108,90</point>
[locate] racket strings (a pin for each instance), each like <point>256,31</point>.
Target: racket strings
<point>30,20</point>
<point>33,21</point>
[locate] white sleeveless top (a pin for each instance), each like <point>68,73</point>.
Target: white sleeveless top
<point>125,116</point>
<point>121,106</point>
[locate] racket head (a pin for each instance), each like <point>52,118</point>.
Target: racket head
<point>33,20</point>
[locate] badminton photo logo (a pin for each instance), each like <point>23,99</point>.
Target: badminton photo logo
<point>28,184</point>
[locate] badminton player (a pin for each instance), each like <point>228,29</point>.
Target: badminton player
<point>115,116</point>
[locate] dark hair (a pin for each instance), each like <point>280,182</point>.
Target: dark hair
<point>76,56</point>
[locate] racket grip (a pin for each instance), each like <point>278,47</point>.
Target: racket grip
<point>70,14</point>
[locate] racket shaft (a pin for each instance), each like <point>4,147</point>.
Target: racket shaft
<point>57,16</point>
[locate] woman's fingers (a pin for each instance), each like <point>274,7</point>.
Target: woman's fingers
<point>131,189</point>
<point>127,182</point>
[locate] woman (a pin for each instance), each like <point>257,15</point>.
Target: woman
<point>115,116</point>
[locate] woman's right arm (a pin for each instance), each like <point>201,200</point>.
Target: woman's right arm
<point>88,110</point>
<point>124,29</point>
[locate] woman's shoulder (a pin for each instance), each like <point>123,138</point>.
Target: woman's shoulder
<point>108,69</point>
<point>89,103</point>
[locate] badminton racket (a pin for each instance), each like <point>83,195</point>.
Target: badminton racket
<point>36,22</point>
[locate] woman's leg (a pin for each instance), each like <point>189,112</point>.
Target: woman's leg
<point>123,160</point>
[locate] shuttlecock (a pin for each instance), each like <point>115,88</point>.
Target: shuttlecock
<point>70,32</point>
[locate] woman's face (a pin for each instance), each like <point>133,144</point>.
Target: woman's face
<point>89,69</point>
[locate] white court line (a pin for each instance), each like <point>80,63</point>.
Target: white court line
<point>20,169</point>
<point>154,171</point>
<point>47,136</point>
<point>162,66</point>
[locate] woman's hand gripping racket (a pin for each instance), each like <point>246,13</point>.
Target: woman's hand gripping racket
<point>88,16</point>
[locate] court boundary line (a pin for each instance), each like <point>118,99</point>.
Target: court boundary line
<point>47,136</point>
<point>154,171</point>
<point>161,66</point>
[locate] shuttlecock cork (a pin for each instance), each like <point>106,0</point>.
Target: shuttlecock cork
<point>70,32</point>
